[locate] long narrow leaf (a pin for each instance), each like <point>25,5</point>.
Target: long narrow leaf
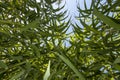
<point>47,73</point>
<point>9,22</point>
<point>106,19</point>
<point>33,24</point>
<point>3,65</point>
<point>69,63</point>
<point>18,75</point>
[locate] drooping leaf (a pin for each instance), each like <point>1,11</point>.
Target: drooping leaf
<point>69,63</point>
<point>106,19</point>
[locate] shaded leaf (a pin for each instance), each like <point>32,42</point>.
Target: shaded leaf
<point>3,65</point>
<point>69,63</point>
<point>117,66</point>
<point>117,60</point>
<point>17,75</point>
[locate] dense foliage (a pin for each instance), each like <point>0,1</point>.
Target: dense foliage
<point>33,38</point>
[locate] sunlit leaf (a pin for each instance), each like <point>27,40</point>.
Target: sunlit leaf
<point>106,19</point>
<point>33,24</point>
<point>47,73</point>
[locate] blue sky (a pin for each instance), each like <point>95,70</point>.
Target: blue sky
<point>71,6</point>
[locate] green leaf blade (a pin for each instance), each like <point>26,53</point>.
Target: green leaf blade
<point>106,19</point>
<point>47,73</point>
